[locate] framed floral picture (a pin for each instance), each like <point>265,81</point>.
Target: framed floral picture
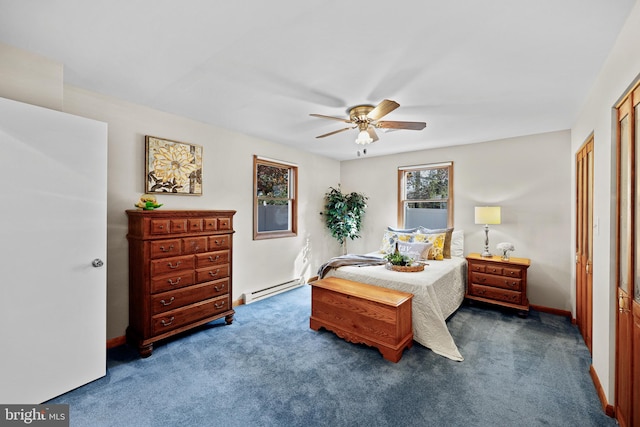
<point>172,167</point>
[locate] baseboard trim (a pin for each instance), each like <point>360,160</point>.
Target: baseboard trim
<point>550,310</point>
<point>116,342</point>
<point>609,410</point>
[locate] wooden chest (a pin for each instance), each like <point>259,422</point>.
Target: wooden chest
<point>179,272</point>
<point>362,313</point>
<point>500,282</point>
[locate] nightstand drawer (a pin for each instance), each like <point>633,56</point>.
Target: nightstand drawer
<point>477,267</point>
<point>496,294</point>
<point>512,272</point>
<point>497,281</point>
<point>493,269</point>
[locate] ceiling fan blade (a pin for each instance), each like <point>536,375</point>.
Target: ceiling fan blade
<point>401,125</point>
<point>372,133</point>
<point>382,109</point>
<point>333,133</point>
<point>331,118</point>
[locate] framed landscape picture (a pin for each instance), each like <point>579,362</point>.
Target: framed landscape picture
<point>172,167</point>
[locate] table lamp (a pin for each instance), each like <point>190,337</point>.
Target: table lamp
<point>487,215</point>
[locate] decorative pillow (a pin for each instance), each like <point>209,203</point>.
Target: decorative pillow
<point>403,230</point>
<point>447,243</point>
<point>437,240</point>
<point>457,243</point>
<point>415,250</point>
<point>391,237</point>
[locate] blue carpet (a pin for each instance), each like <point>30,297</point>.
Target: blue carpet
<point>270,369</point>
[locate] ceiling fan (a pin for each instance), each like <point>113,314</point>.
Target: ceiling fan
<point>367,117</point>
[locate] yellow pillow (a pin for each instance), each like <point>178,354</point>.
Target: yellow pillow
<point>436,252</point>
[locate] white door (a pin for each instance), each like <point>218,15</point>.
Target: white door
<point>53,201</point>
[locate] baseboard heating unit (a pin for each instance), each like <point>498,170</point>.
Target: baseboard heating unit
<point>272,290</point>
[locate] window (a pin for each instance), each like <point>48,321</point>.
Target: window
<point>275,194</point>
<point>425,196</point>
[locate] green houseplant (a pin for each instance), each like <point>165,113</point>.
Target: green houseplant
<point>343,214</point>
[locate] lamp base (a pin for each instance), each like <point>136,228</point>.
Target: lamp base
<point>486,254</point>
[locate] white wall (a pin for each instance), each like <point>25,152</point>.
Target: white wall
<point>619,72</point>
<point>227,181</point>
<point>227,184</point>
<point>529,177</point>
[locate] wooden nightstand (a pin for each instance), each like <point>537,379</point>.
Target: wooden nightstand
<point>494,281</point>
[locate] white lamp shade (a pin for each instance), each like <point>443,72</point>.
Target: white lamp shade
<point>487,214</point>
<point>364,138</point>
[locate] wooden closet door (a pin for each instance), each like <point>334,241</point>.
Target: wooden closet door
<point>627,240</point>
<point>584,241</point>
<point>633,312</point>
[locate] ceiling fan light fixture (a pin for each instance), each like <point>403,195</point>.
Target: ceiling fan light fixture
<point>364,138</point>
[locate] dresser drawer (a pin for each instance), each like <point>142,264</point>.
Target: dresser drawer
<point>194,224</point>
<point>222,241</point>
<point>498,281</point>
<point>212,273</point>
<point>160,226</point>
<point>212,258</point>
<point>166,248</point>
<point>497,294</point>
<point>172,281</point>
<point>193,245</point>
<point>169,265</point>
<point>178,225</point>
<point>210,224</point>
<point>224,223</point>
<point>179,298</point>
<point>181,316</point>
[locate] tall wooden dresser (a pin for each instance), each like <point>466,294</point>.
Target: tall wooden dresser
<point>179,272</point>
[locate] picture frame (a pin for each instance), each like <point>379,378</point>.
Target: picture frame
<point>172,167</point>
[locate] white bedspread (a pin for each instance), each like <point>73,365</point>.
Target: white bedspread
<point>438,292</point>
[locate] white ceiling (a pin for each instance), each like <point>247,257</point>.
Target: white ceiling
<point>474,70</point>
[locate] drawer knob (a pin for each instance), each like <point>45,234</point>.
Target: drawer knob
<point>165,323</point>
<point>165,303</point>
<point>218,289</point>
<point>212,274</point>
<point>216,305</point>
<point>172,283</point>
<point>174,266</point>
<point>219,242</point>
<point>163,249</point>
<point>212,259</point>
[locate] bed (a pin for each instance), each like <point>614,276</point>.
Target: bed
<point>438,292</point>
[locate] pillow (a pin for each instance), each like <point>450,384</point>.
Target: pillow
<point>447,243</point>
<point>416,250</point>
<point>403,230</point>
<point>457,243</point>
<point>437,240</point>
<point>390,238</point>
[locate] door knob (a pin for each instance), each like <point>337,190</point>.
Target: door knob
<point>97,263</point>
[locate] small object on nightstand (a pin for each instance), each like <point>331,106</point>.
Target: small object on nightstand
<point>496,281</point>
